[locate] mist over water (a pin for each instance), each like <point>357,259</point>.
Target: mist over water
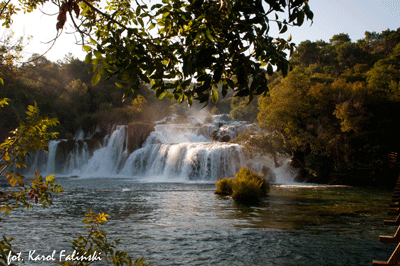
<point>174,152</point>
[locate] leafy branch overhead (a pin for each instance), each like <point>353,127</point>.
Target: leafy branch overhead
<point>31,136</point>
<point>185,49</point>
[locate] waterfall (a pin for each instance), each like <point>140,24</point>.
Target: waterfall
<point>51,162</point>
<point>185,161</point>
<point>108,159</point>
<point>42,162</point>
<point>172,152</point>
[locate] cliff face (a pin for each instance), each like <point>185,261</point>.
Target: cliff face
<point>137,134</point>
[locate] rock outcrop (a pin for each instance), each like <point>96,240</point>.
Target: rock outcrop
<point>137,134</point>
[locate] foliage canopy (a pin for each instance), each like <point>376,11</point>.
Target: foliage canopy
<point>184,49</point>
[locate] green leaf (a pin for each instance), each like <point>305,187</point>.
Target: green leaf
<point>88,58</point>
<point>284,29</point>
<point>170,95</point>
<point>224,89</point>
<point>190,101</point>
<point>270,70</point>
<point>141,22</point>
<point>50,178</point>
<point>214,95</point>
<point>161,95</point>
<point>87,48</point>
<point>98,54</point>
<point>156,6</point>
<point>144,78</point>
<point>242,92</point>
<point>93,69</point>
<point>300,18</point>
<point>96,78</point>
<point>93,41</point>
<point>209,35</point>
<point>120,85</point>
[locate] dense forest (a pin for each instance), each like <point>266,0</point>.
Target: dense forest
<point>336,112</point>
<point>63,89</point>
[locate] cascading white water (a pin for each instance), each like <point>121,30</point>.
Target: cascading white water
<point>173,152</point>
<point>185,161</point>
<point>51,165</point>
<point>108,159</point>
<point>42,162</point>
<point>78,157</point>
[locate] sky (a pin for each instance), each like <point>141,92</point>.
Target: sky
<point>331,17</point>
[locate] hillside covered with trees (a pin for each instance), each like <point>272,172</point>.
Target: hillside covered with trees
<point>63,90</point>
<point>337,112</point>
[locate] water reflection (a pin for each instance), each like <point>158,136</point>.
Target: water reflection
<point>298,207</point>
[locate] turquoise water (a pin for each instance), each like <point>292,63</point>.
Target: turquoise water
<point>187,224</point>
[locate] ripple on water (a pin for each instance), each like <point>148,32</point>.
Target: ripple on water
<point>186,224</point>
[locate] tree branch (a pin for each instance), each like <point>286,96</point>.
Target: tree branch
<point>104,14</point>
<point>4,7</point>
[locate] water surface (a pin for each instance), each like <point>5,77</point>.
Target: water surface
<point>186,224</point>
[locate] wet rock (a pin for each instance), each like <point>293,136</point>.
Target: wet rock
<point>214,135</point>
<point>225,138</point>
<point>137,134</point>
<point>217,136</point>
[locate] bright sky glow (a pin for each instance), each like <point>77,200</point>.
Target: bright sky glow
<point>331,17</point>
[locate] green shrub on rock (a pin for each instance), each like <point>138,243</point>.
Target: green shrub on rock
<point>246,187</point>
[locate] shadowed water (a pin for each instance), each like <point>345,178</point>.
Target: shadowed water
<point>186,224</point>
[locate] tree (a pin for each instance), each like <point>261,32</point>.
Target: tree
<point>242,110</point>
<point>10,54</point>
<point>336,110</point>
<point>381,44</point>
<point>175,44</point>
<point>386,72</point>
<point>76,95</point>
<point>340,39</point>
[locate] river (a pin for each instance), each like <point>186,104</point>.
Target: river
<point>187,224</point>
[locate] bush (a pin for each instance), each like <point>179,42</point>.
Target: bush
<point>224,186</point>
<point>246,187</point>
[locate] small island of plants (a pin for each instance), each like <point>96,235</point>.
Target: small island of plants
<point>246,187</point>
